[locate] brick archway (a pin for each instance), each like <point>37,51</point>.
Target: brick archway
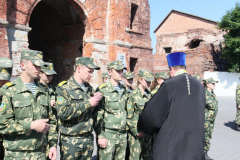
<point>59,29</point>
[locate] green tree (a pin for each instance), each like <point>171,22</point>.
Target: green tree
<point>230,24</point>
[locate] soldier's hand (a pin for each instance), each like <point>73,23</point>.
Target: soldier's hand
<point>239,107</point>
<point>98,95</point>
<point>52,103</point>
<point>102,142</point>
<point>140,134</point>
<point>40,125</point>
<point>53,153</point>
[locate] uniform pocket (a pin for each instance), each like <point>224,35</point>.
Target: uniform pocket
<point>44,108</point>
<point>22,109</point>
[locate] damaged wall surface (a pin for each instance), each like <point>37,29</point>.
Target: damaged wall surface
<point>201,45</point>
<point>66,29</point>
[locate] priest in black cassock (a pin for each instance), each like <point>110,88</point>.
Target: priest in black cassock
<point>176,115</point>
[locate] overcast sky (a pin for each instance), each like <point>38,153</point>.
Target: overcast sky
<point>209,9</point>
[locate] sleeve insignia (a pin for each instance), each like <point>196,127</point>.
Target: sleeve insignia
<point>2,107</point>
<point>60,100</point>
<point>129,107</point>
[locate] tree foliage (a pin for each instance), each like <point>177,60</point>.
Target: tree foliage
<point>230,24</point>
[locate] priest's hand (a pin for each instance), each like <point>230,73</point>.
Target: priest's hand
<point>140,134</point>
<point>239,107</point>
<point>102,142</point>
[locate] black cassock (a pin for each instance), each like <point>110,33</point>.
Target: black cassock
<point>177,118</point>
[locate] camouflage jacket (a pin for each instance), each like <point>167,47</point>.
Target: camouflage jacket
<point>128,91</point>
<point>20,108</point>
<point>135,105</point>
<point>74,109</point>
<point>51,91</point>
<point>238,95</point>
<point>154,90</point>
<point>211,108</point>
<point>111,110</point>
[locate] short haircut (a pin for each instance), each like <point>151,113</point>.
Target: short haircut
<point>179,67</point>
<point>25,61</point>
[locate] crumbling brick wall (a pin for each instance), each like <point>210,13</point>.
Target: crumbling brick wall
<point>205,57</point>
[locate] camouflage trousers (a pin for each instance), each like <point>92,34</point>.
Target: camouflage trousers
<point>39,154</point>
<point>140,147</point>
<point>76,147</point>
<point>209,125</point>
<point>237,121</point>
<point>116,146</point>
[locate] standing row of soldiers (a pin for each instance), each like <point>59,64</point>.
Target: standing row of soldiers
<point>29,109</point>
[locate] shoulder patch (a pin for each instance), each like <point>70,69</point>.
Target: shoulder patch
<point>2,107</point>
<point>103,85</point>
<point>61,83</point>
<point>60,100</point>
<point>129,107</point>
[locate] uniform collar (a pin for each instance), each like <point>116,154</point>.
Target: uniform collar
<point>142,95</point>
<point>22,88</point>
<point>112,89</point>
<point>73,85</point>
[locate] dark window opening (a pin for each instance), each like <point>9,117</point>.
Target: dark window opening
<point>168,49</point>
<point>134,8</point>
<point>133,62</point>
<point>194,43</point>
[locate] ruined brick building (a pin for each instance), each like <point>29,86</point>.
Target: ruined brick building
<point>197,37</point>
<point>106,30</point>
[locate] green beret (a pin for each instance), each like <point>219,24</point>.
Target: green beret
<point>117,65</point>
<point>128,75</point>
<point>147,75</point>
<point>210,80</point>
<point>36,57</point>
<point>86,61</point>
<point>5,68</point>
<point>47,68</point>
<point>163,75</point>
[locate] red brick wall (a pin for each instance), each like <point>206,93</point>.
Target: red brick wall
<point>179,23</point>
<point>101,26</point>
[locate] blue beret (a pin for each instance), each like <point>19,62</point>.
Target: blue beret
<point>176,59</point>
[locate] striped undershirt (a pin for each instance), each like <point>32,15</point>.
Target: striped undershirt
<point>118,89</point>
<point>83,87</point>
<point>31,87</point>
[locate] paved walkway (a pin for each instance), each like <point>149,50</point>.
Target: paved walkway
<point>225,143</point>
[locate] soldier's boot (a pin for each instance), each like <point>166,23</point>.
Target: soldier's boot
<point>207,157</point>
<point>237,127</point>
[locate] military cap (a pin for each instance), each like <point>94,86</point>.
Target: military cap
<point>47,68</point>
<point>210,80</point>
<point>128,75</point>
<point>34,56</point>
<point>163,75</point>
<point>198,77</point>
<point>147,75</point>
<point>105,75</point>
<point>117,65</point>
<point>86,61</point>
<point>5,68</point>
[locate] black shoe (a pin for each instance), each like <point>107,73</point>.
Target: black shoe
<point>207,157</point>
<point>237,127</point>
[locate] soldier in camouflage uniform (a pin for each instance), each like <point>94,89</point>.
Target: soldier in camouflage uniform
<point>105,77</point>
<point>139,144</point>
<point>112,115</point>
<point>198,78</point>
<point>160,77</point>
<point>46,76</point>
<point>76,100</point>
<point>128,81</point>
<point>26,116</point>
<point>211,111</point>
<point>5,74</point>
<point>237,121</point>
